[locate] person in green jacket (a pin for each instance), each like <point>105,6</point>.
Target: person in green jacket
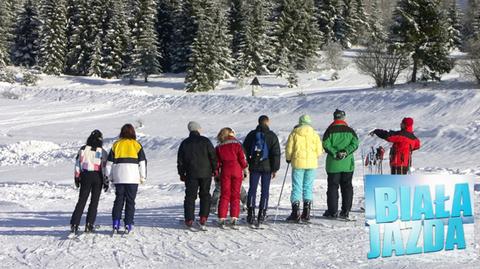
<point>340,142</point>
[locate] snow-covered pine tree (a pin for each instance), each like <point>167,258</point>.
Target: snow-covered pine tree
<point>210,50</point>
<point>7,22</point>
<point>344,28</point>
<point>297,38</point>
<point>27,30</point>
<point>52,36</point>
<point>222,54</point>
<point>84,36</point>
<point>185,32</point>
<point>145,51</point>
<point>115,39</point>
<point>251,44</point>
<point>360,23</point>
<point>377,31</point>
<point>96,58</point>
<point>471,23</point>
<point>310,36</point>
<point>74,20</point>
<point>165,30</point>
<point>237,19</point>
<point>417,29</point>
<point>328,13</point>
<point>454,26</point>
<point>200,71</point>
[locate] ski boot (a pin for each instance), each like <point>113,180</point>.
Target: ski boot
<point>89,228</point>
<point>128,228</point>
<point>294,216</point>
<point>221,223</point>
<point>116,226</point>
<point>307,207</point>
<point>74,229</point>
<point>251,215</point>
<point>344,215</point>
<point>261,217</point>
<point>203,223</point>
<point>329,215</point>
<point>234,223</point>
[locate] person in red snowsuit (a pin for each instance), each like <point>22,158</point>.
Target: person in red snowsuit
<point>231,164</point>
<point>404,143</point>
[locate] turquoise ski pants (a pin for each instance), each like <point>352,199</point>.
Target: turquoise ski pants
<point>302,184</point>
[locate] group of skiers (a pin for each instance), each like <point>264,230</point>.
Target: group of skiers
<point>230,163</point>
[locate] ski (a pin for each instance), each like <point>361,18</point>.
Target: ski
<point>338,219</point>
<point>201,227</point>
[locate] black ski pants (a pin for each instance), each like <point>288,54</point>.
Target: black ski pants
<point>399,170</point>
<point>344,180</point>
<point>90,183</point>
<point>194,186</point>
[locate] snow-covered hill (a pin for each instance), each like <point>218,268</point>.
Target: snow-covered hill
<point>42,127</point>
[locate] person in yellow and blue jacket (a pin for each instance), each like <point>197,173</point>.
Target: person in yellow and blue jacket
<point>304,147</point>
<point>126,168</point>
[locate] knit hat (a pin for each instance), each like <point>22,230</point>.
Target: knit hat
<point>305,120</point>
<point>95,139</point>
<point>408,123</point>
<point>339,114</point>
<point>194,126</point>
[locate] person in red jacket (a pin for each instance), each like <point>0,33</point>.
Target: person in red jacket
<point>404,142</point>
<point>231,164</point>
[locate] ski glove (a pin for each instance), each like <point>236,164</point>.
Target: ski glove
<point>342,154</point>
<point>77,182</point>
<point>245,173</point>
<point>289,161</point>
<point>142,180</point>
<point>183,178</point>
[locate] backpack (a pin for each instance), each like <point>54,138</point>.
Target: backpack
<point>259,151</point>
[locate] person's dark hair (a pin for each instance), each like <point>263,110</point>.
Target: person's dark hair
<point>128,132</point>
<point>95,140</point>
<point>262,120</point>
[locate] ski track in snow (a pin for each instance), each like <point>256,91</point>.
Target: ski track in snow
<point>42,128</point>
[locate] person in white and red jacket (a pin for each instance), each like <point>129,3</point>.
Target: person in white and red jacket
<point>89,177</point>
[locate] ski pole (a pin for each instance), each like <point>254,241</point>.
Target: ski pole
<point>281,191</point>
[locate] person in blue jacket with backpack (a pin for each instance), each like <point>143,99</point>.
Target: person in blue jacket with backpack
<point>263,155</point>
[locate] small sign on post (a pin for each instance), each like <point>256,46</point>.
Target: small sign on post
<point>255,86</point>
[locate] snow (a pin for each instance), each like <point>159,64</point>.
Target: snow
<point>42,128</point>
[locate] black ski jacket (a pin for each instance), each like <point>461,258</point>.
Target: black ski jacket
<point>196,157</point>
<point>272,164</point>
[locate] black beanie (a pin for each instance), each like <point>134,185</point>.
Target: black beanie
<point>95,140</point>
<point>339,114</point>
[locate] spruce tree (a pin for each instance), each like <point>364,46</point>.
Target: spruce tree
<point>7,22</point>
<point>328,16</point>
<point>96,67</point>
<point>360,23</point>
<point>417,29</point>
<point>85,35</point>
<point>345,31</point>
<point>298,38</point>
<point>26,41</point>
<point>471,25</point>
<point>115,38</point>
<point>145,51</point>
<point>166,33</point>
<point>209,61</point>
<point>377,31</point>
<point>185,31</point>
<point>75,15</point>
<point>454,26</point>
<point>250,46</point>
<point>52,37</point>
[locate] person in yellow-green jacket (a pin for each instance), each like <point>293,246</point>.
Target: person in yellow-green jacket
<point>126,168</point>
<point>340,142</point>
<point>304,147</point>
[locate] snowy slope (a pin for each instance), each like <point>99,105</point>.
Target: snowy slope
<point>42,127</point>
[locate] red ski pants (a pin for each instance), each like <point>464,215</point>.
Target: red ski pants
<point>230,184</point>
